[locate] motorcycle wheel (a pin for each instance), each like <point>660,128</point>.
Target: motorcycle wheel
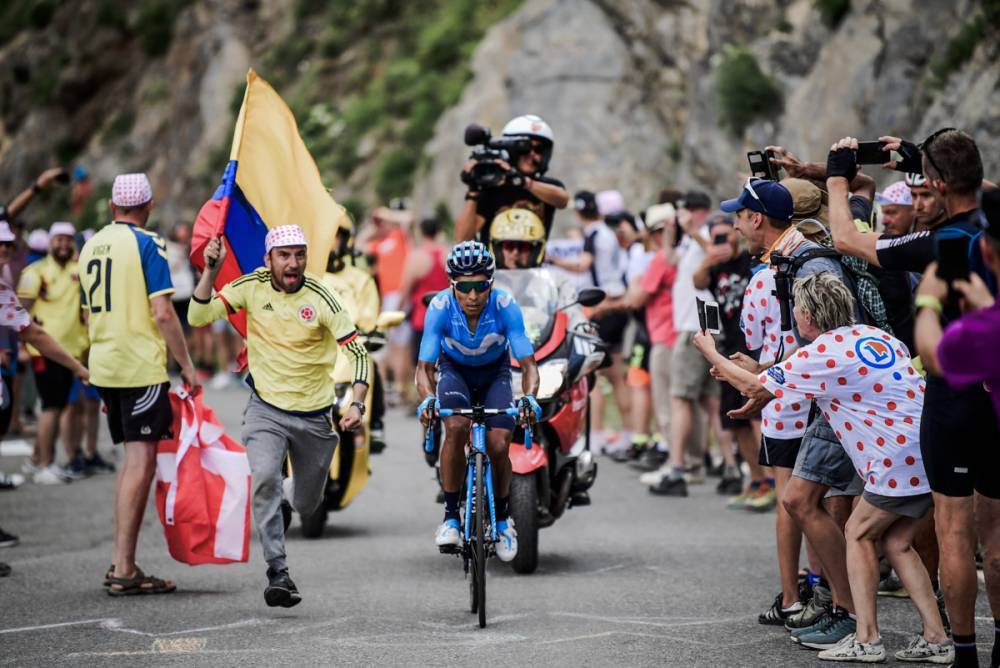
<point>313,523</point>
<point>524,510</point>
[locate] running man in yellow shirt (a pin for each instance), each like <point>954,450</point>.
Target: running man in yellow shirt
<point>295,327</point>
<point>125,293</point>
<point>50,290</point>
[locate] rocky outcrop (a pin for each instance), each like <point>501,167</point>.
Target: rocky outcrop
<point>629,87</point>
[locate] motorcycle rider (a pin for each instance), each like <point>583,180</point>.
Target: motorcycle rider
<point>464,360</point>
<point>540,194</point>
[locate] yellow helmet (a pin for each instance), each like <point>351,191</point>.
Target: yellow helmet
<point>518,225</point>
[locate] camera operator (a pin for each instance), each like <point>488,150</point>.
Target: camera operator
<point>538,193</point>
<point>954,423</point>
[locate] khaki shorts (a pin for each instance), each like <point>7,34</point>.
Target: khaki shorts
<point>689,377</point>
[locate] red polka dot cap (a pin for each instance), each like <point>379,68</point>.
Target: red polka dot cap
<point>131,190</point>
<point>284,235</point>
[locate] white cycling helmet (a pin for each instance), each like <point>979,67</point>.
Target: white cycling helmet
<point>536,128</point>
<point>915,180</point>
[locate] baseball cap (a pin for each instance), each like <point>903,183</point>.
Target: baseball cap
<point>585,202</point>
<point>6,234</point>
<point>767,197</point>
<point>609,202</point>
<point>38,241</point>
<point>283,236</point>
<point>131,190</point>
<point>62,228</point>
<point>658,215</point>
<point>897,193</point>
<point>695,199</point>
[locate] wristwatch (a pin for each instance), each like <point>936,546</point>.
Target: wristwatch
<point>360,405</point>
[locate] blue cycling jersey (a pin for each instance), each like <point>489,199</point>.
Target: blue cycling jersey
<point>446,330</point>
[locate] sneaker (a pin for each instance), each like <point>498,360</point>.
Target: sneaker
<point>891,586</point>
<point>75,470</point>
<point>852,650</point>
<point>817,607</point>
<point>449,534</point>
<point>729,486</point>
<point>629,454</point>
<point>838,625</point>
<point>695,475</point>
<point>654,477</point>
<point>281,591</point>
<point>29,467</point>
<point>220,381</point>
<point>506,545</point>
<point>763,501</point>
<point>737,502</point>
<point>928,652</point>
<point>650,460</point>
<point>8,539</point>
<point>669,487</point>
<point>777,615</point>
<point>11,480</point>
<point>98,464</point>
<point>50,475</point>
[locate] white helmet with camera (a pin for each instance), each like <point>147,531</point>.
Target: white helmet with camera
<point>534,127</point>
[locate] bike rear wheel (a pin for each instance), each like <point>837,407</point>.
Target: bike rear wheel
<point>479,547</point>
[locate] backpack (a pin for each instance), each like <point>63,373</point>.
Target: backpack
<point>859,281</point>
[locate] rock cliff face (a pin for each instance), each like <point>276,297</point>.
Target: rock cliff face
<point>627,85</point>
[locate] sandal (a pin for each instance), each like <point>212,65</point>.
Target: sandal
<point>110,574</point>
<point>140,584</point>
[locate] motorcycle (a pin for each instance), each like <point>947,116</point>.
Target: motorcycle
<point>349,470</point>
<point>559,469</point>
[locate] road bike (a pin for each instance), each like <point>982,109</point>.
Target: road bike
<point>479,532</point>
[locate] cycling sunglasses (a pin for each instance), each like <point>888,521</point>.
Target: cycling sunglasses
<point>465,287</point>
<point>748,186</point>
<point>518,246</point>
<point>925,147</point>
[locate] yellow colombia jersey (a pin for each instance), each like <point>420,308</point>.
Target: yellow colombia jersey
<point>292,338</point>
<point>55,291</point>
<point>122,267</point>
<point>358,293</point>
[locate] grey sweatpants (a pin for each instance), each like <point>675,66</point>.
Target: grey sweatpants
<point>310,442</point>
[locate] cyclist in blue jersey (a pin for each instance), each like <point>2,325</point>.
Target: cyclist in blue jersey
<point>469,333</point>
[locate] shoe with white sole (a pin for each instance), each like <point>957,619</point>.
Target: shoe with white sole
<point>11,480</point>
<point>849,649</point>
<point>506,546</point>
<point>651,478</point>
<point>50,475</point>
<point>928,652</point>
<point>449,534</point>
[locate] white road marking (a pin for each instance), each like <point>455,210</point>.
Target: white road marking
<point>117,625</point>
<point>54,626</point>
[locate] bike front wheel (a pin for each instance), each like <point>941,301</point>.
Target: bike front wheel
<point>479,547</point>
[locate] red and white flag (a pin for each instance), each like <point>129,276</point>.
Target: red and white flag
<point>202,487</point>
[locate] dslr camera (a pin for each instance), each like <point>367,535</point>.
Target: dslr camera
<point>487,172</point>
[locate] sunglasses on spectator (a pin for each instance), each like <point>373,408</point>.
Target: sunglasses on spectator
<point>748,186</point>
<point>926,149</point>
<point>465,287</point>
<point>517,246</point>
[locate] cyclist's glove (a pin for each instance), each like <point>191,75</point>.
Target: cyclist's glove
<point>528,401</point>
<point>426,404</point>
<point>842,162</point>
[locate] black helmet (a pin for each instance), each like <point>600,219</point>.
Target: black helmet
<point>470,258</point>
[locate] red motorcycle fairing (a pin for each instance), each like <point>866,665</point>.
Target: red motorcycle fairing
<point>568,424</point>
<point>555,340</point>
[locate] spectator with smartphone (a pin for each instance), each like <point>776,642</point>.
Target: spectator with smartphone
<point>726,272</point>
<point>954,422</point>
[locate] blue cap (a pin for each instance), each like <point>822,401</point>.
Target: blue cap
<point>773,199</point>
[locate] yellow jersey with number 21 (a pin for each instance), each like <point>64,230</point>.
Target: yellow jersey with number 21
<point>121,268</point>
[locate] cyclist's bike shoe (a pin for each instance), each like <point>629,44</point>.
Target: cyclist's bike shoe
<point>281,591</point>
<point>449,534</point>
<point>506,546</point>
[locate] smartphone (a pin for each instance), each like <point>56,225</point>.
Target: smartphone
<point>952,258</point>
<point>720,239</point>
<point>872,153</point>
<point>760,165</point>
<point>713,325</point>
<point>700,306</point>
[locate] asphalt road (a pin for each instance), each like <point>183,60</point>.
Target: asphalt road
<point>631,580</point>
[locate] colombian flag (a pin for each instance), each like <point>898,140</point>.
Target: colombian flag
<point>271,180</point>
